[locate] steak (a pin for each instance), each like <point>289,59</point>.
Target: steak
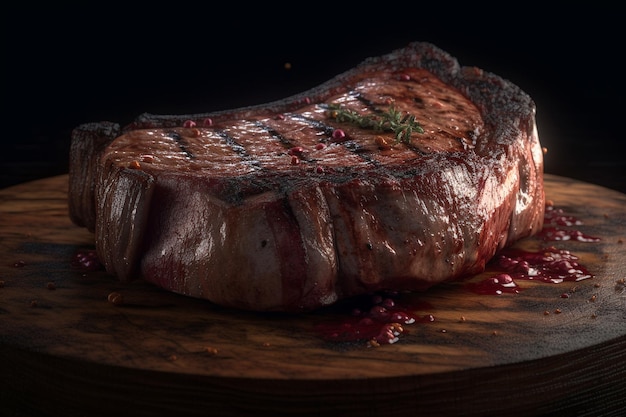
<point>404,172</point>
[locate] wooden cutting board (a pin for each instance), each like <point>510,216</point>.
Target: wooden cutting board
<point>64,347</point>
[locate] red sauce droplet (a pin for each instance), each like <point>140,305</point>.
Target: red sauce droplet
<point>495,285</point>
<point>86,259</point>
<point>557,234</point>
<point>549,265</point>
<point>554,222</point>
<point>428,318</point>
<point>556,216</point>
<point>378,319</point>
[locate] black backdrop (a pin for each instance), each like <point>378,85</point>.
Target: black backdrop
<point>64,66</point>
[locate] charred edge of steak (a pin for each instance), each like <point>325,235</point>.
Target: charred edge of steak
<point>479,86</point>
<point>88,142</point>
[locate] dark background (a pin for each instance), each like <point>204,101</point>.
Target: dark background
<point>63,66</point>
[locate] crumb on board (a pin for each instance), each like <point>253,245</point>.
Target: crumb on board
<point>211,350</point>
<point>373,343</point>
<point>115,298</point>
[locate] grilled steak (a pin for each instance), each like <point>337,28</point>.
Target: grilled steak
<point>404,172</point>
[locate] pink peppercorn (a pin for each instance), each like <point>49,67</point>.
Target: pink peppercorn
<point>189,123</point>
<point>207,122</point>
<point>296,150</point>
<point>338,134</point>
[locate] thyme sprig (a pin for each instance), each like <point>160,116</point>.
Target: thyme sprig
<point>392,120</point>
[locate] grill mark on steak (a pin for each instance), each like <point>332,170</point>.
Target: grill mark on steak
<point>184,147</point>
<point>239,150</point>
<point>350,145</point>
<point>361,151</point>
<point>286,142</point>
<point>367,102</point>
<point>317,124</point>
<point>274,133</point>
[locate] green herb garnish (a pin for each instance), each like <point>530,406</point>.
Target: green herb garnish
<point>391,120</point>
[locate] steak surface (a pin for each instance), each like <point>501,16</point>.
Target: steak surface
<point>404,172</point>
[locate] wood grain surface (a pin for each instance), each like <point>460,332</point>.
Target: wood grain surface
<point>64,347</point>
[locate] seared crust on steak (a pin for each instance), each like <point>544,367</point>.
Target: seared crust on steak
<point>264,208</point>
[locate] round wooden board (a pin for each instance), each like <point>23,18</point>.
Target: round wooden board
<point>65,348</point>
